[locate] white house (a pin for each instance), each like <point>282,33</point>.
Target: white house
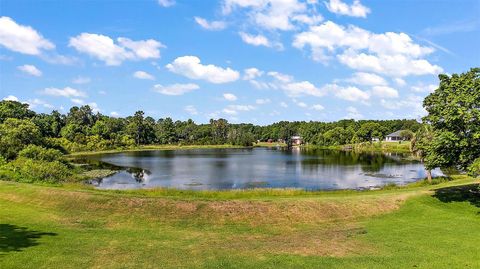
<point>395,136</point>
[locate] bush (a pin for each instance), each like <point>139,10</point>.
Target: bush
<point>30,170</point>
<point>40,153</point>
<point>474,169</point>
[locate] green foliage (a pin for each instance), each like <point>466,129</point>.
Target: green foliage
<point>454,113</point>
<point>474,168</point>
<point>14,109</point>
<point>407,134</point>
<point>15,134</point>
<point>39,153</point>
<point>30,170</point>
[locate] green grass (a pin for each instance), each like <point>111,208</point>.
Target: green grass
<point>72,226</point>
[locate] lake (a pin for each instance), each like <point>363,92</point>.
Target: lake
<point>215,169</point>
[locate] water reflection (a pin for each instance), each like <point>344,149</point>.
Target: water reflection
<point>258,167</point>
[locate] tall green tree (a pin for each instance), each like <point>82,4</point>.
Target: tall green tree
<point>454,113</point>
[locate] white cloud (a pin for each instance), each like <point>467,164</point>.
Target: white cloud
<point>166,3</point>
<point>349,93</point>
<point>259,40</point>
<point>281,77</point>
<point>296,89</point>
<point>393,65</point>
<point>105,49</point>
<point>10,98</point>
<point>212,25</point>
<point>142,49</point>
<point>81,80</point>
<point>21,38</point>
<point>272,14</point>
<point>394,54</point>
<point>252,73</point>
<point>384,92</point>
<point>143,75</point>
<point>318,107</point>
<point>367,79</point>
<point>354,10</point>
<point>114,114</point>
<point>262,101</point>
<point>191,110</point>
<point>235,109</point>
<point>175,89</point>
<point>352,113</point>
<point>229,96</point>
<point>65,92</point>
<point>412,104</point>
<point>283,104</point>
<point>33,103</point>
<point>422,88</point>
<point>30,69</point>
<point>190,66</point>
<point>400,82</point>
<point>301,104</point>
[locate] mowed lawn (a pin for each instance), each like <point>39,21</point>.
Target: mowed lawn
<point>74,227</point>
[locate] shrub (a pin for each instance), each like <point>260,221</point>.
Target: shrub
<point>40,153</point>
<point>30,170</point>
<point>474,169</point>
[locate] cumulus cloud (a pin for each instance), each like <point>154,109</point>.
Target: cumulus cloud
<point>143,75</point>
<point>175,89</point>
<point>317,107</point>
<point>384,92</point>
<point>166,3</point>
<point>229,96</point>
<point>191,67</point>
<point>21,38</point>
<point>348,93</point>
<point>114,53</point>
<point>273,14</point>
<point>212,25</point>
<point>252,73</point>
<point>235,109</point>
<point>65,92</point>
<point>30,69</point>
<point>412,104</point>
<point>191,110</point>
<point>356,9</point>
<point>259,40</point>
<point>393,54</point>
<point>296,89</point>
<point>10,98</point>
<point>367,79</point>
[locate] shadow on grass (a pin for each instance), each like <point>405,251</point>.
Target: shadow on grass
<point>15,238</point>
<point>467,193</point>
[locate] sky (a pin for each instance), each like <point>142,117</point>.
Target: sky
<point>255,61</point>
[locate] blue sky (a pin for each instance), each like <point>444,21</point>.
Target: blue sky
<point>244,60</point>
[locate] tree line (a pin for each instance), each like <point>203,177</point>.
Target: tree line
<point>81,129</point>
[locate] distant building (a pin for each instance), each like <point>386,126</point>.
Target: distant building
<point>395,136</point>
<point>375,139</point>
<point>296,140</point>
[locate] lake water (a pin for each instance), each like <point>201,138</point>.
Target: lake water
<point>205,169</point>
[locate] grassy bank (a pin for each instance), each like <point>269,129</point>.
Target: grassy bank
<point>392,147</point>
<point>155,147</point>
<point>76,227</point>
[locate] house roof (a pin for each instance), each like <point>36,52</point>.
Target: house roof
<point>396,134</point>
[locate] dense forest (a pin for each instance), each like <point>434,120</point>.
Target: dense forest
<point>34,143</point>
